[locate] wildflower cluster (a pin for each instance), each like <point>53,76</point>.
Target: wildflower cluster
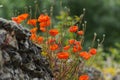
<point>65,58</point>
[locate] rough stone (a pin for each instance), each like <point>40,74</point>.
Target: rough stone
<point>20,58</point>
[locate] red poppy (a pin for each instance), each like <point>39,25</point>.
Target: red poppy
<point>43,24</point>
<point>53,47</point>
<point>46,18</point>
<point>17,20</point>
<point>40,18</point>
<point>53,32</point>
<point>32,22</point>
<point>77,43</point>
<point>85,55</point>
<point>40,39</point>
<point>48,23</point>
<point>71,41</point>
<point>63,55</point>
<point>23,16</point>
<point>43,18</point>
<point>33,37</point>
<point>20,18</point>
<point>33,30</point>
<point>43,29</point>
<point>77,48</point>
<point>81,32</point>
<point>93,51</point>
<point>73,28</point>
<point>84,77</point>
<point>67,47</point>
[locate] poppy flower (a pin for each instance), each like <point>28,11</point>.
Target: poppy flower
<point>85,55</point>
<point>17,20</point>
<point>73,28</point>
<point>63,55</point>
<point>43,29</point>
<point>77,48</point>
<point>93,51</point>
<point>71,41</point>
<point>81,32</point>
<point>48,23</point>
<point>40,39</point>
<point>33,30</point>
<point>43,18</point>
<point>40,18</point>
<point>23,16</point>
<point>84,77</point>
<point>66,47</point>
<point>53,47</point>
<point>53,32</point>
<point>32,22</point>
<point>33,37</point>
<point>46,18</point>
<point>20,18</point>
<point>77,43</point>
<point>43,24</point>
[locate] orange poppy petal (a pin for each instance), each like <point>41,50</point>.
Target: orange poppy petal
<point>32,22</point>
<point>73,28</point>
<point>53,32</point>
<point>84,77</point>
<point>63,55</point>
<point>93,51</point>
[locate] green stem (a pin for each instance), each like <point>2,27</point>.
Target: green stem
<point>74,71</point>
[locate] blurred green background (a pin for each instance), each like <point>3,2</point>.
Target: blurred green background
<point>102,16</point>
